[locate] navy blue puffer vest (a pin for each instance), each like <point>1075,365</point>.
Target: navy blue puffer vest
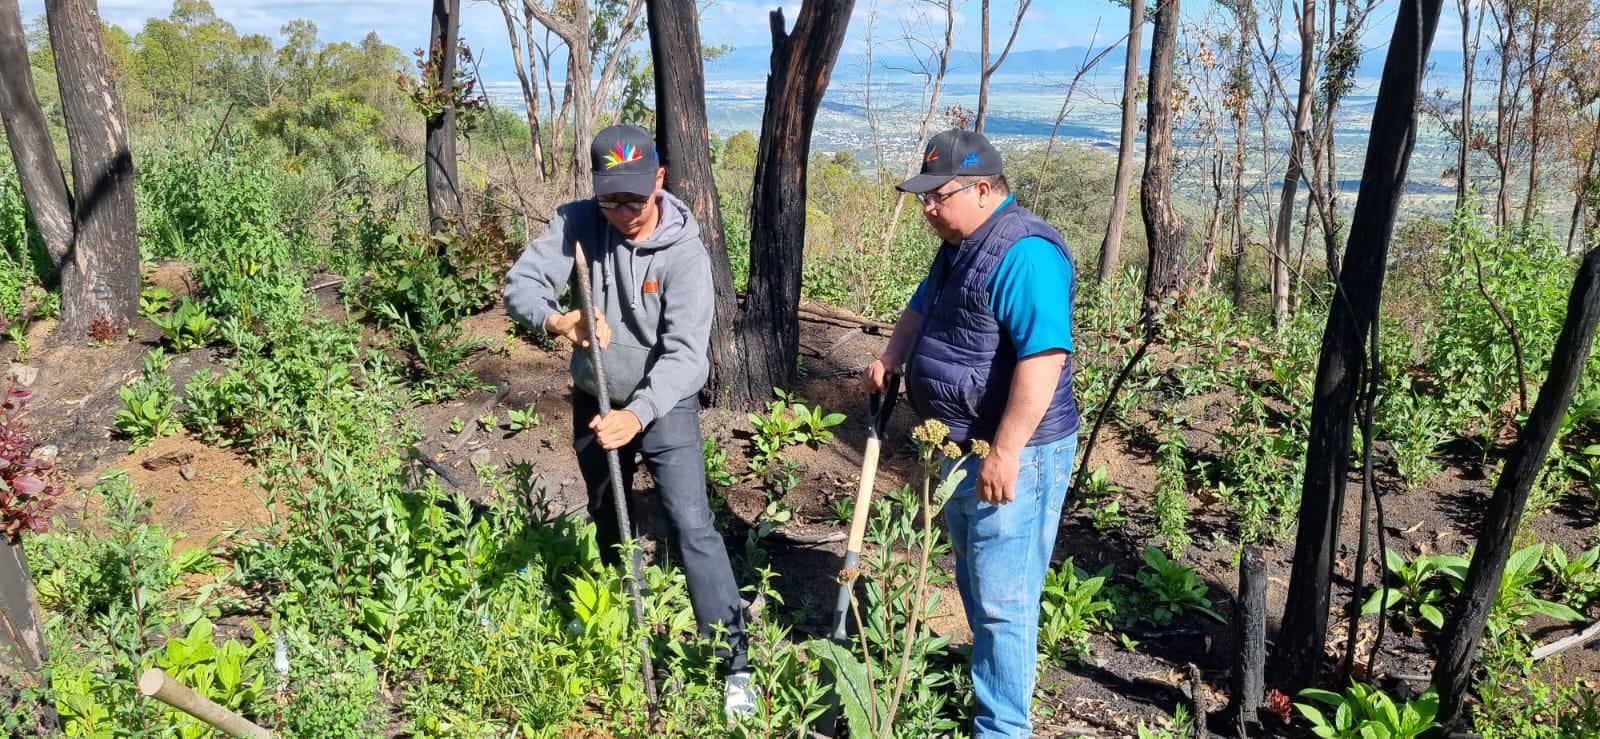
<point>961,366</point>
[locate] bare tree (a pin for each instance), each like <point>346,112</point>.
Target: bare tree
<point>1306,23</point>
<point>1111,245</point>
<point>519,31</point>
<point>1087,65</point>
<point>572,23</point>
<point>1556,28</point>
<point>1469,58</point>
<point>1583,89</point>
<point>986,70</point>
<point>1165,230</point>
<point>935,63</point>
<point>1340,56</point>
<point>769,329</point>
<point>1204,61</point>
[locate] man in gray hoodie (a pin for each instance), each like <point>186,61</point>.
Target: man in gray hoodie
<point>653,306</point>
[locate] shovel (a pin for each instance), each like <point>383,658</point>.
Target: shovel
<point>879,406</point>
<point>624,528</point>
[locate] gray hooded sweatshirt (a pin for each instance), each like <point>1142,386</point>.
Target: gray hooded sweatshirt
<point>655,293</point>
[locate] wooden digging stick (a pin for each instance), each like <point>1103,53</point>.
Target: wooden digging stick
<point>635,571</point>
<point>159,685</point>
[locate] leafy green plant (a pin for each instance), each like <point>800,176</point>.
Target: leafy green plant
<point>146,412</point>
<point>1515,601</point>
<point>456,425</point>
<point>1098,495</point>
<point>227,673</point>
<point>17,334</point>
<point>187,327</point>
<point>716,456</point>
<point>439,349</point>
<point>1172,588</point>
<point>844,509</point>
<point>777,512</point>
<point>1578,578</point>
<point>1172,492</point>
<point>1414,426</point>
<point>488,422</point>
<point>788,421</point>
<point>1071,609</point>
<point>1420,587</point>
<point>154,300</point>
<point>1364,712</point>
<point>330,690</point>
<point>1182,725</point>
<point>522,419</point>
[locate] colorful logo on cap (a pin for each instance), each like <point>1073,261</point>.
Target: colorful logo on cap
<point>971,160</point>
<point>932,155</point>
<point>621,154</point>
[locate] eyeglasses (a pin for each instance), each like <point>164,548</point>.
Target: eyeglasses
<point>629,204</point>
<point>938,198</point>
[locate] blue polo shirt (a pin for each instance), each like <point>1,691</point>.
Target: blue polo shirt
<point>1030,295</point>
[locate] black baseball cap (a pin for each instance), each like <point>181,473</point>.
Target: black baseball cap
<point>954,153</point>
<point>623,160</point>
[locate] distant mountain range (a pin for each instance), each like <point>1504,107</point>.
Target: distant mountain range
<point>753,62</point>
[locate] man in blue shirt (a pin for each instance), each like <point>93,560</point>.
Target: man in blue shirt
<point>986,346</point>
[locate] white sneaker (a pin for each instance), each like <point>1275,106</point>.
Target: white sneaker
<point>739,696</point>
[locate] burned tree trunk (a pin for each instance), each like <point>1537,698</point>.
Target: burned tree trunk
<point>1343,360</point>
<point>1495,536</point>
<point>100,275</point>
<point>684,138</point>
<point>769,327</point>
<point>439,172</point>
<point>1165,230</point>
<point>44,186</point>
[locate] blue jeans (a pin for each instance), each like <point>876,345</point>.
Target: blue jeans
<point>1002,553</point>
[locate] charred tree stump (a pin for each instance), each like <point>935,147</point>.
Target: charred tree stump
<point>1251,620</point>
<point>1165,230</point>
<point>439,152</point>
<point>769,327</point>
<point>1465,626</point>
<point>1299,650</point>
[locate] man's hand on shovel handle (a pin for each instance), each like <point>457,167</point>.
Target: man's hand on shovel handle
<point>572,326</point>
<point>873,377</point>
<point>615,429</point>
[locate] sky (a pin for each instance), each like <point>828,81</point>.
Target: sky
<point>404,23</point>
<point>1049,24</point>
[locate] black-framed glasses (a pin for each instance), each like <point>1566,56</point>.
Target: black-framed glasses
<point>630,204</point>
<point>933,197</point>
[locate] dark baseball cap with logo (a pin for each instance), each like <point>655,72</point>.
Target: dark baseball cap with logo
<point>954,153</point>
<point>624,160</point>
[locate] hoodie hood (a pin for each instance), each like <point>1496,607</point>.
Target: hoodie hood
<point>677,226</point>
